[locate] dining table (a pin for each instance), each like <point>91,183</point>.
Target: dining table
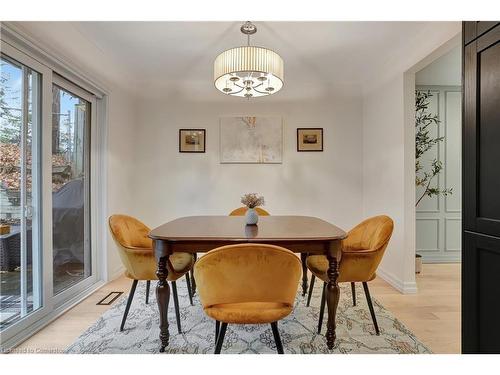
<point>198,234</point>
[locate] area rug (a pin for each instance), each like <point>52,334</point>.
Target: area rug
<point>355,331</point>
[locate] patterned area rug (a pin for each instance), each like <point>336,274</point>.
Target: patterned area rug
<point>355,332</point>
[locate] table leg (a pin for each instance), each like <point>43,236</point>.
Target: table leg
<point>162,291</point>
<point>332,291</point>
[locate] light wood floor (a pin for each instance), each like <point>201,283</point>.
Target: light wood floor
<point>433,314</point>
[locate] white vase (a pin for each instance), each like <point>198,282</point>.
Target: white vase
<point>251,216</point>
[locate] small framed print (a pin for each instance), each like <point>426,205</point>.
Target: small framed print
<point>310,139</point>
<point>191,140</point>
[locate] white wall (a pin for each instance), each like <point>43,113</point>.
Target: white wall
<point>389,150</point>
<point>383,168</point>
<point>120,165</point>
<point>445,71</point>
<point>326,184</point>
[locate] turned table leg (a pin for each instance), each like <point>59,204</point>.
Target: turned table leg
<point>332,291</point>
<point>303,258</point>
<point>162,290</point>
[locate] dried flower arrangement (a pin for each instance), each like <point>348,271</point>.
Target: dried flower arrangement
<point>252,200</point>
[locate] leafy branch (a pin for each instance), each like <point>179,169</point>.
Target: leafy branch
<point>424,141</point>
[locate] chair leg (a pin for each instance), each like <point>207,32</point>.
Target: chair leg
<point>193,281</point>
<point>311,286</point>
<point>176,306</point>
<point>322,308</point>
<point>129,302</point>
<point>370,306</point>
<point>148,284</point>
<point>353,291</point>
<point>188,282</point>
<point>217,329</point>
<point>277,338</point>
<point>303,259</point>
<point>220,338</point>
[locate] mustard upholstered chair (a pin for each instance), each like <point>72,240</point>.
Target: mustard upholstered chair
<point>247,284</point>
<point>241,211</point>
<point>136,253</point>
<point>362,252</point>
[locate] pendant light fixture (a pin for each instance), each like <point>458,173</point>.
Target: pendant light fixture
<point>248,71</point>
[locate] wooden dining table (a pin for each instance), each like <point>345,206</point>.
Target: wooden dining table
<point>199,234</point>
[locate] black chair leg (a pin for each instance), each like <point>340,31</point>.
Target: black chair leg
<point>176,305</point>
<point>193,281</point>
<point>311,286</point>
<point>148,285</point>
<point>188,282</point>
<point>322,308</point>
<point>303,259</point>
<point>370,306</point>
<point>277,338</point>
<point>220,338</point>
<point>353,291</point>
<point>217,329</point>
<point>129,302</point>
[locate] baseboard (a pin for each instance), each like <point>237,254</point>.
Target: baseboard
<point>405,287</point>
<point>429,260</point>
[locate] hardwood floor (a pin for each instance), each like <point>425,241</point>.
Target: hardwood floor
<point>433,314</point>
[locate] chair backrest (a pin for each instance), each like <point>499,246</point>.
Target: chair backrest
<point>135,248</point>
<point>241,211</point>
<point>247,273</point>
<point>364,247</point>
<point>371,234</point>
<point>130,232</point>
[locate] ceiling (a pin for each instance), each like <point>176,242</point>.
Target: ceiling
<point>176,58</point>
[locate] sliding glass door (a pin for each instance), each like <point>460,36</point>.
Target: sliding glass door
<point>20,256</point>
<point>71,121</point>
<point>47,260</point>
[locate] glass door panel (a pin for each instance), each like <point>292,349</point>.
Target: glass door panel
<point>71,116</point>
<point>20,257</point>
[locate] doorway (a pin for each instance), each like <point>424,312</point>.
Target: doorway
<point>438,126</point>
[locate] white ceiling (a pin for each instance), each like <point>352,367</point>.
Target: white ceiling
<point>176,58</point>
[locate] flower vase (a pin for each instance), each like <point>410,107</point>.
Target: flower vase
<point>251,216</point>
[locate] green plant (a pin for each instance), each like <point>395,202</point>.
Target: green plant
<point>424,141</point>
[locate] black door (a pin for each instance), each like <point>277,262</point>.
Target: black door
<point>481,188</point>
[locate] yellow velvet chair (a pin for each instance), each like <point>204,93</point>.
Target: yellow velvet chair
<point>241,211</point>
<point>247,284</point>
<point>362,252</point>
<point>136,253</point>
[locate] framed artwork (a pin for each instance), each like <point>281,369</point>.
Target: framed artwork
<point>191,140</point>
<point>310,139</point>
<point>251,139</point>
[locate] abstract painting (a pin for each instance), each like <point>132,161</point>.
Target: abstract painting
<point>251,140</point>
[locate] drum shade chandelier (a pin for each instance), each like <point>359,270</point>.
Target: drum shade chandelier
<point>248,71</point>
